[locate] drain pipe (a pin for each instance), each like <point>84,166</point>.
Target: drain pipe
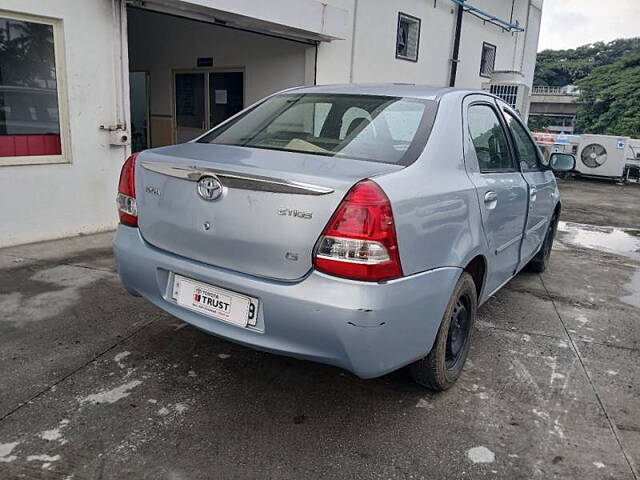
<point>353,40</point>
<point>456,46</point>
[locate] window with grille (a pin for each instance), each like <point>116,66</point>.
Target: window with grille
<point>508,93</point>
<point>488,59</point>
<point>408,37</point>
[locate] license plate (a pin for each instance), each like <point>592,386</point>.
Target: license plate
<point>215,302</point>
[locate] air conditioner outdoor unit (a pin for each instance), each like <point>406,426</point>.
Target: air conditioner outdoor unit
<point>602,155</point>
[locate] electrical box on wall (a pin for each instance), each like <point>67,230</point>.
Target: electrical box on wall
<point>119,138</point>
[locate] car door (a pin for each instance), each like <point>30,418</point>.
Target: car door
<point>540,182</point>
<point>501,189</point>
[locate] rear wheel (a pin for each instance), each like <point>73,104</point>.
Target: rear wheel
<point>540,262</point>
<point>442,366</point>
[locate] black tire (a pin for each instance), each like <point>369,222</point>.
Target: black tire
<point>441,368</point>
<point>540,262</point>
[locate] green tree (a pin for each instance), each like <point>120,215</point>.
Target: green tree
<point>610,97</point>
<point>26,55</point>
<point>565,67</point>
<point>539,122</point>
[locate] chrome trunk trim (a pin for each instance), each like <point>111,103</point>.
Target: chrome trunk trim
<point>245,181</point>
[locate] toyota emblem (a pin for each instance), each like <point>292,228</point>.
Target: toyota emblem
<point>209,188</point>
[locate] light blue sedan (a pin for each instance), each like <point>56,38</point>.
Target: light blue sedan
<point>357,225</point>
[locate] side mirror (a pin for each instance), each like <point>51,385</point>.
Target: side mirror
<point>562,162</point>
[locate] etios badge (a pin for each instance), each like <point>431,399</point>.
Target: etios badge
<point>209,188</point>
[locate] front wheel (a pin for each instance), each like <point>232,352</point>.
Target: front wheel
<point>442,366</point>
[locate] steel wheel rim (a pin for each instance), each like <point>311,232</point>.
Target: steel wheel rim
<point>458,334</point>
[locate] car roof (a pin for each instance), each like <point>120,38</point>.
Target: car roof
<point>410,90</point>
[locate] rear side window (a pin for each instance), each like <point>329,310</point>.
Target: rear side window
<point>489,139</point>
<point>526,150</point>
<point>364,127</point>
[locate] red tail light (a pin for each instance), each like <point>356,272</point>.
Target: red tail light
<point>360,241</point>
<point>126,199</point>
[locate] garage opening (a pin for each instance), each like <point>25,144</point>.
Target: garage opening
<point>186,76</point>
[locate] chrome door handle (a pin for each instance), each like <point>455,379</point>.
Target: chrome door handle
<point>533,194</point>
<point>490,197</point>
<point>490,200</point>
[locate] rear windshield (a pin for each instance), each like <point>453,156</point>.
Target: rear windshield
<point>364,127</point>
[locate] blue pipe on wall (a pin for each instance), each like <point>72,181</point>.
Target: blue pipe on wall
<point>512,27</point>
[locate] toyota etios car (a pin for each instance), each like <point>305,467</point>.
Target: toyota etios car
<point>358,226</point>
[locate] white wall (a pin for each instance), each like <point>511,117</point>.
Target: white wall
<point>159,43</point>
<point>334,58</point>
<point>302,19</point>
<point>373,53</point>
<point>510,46</point>
<point>375,41</point>
<point>376,31</point>
<point>528,60</point>
<point>40,202</point>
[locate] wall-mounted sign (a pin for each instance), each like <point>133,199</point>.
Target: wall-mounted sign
<point>221,97</point>
<point>205,62</point>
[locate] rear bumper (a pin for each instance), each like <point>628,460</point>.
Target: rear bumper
<point>367,328</point>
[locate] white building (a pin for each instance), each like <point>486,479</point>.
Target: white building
<point>83,82</point>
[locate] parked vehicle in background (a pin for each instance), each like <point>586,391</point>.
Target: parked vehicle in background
<point>604,156</point>
<point>556,143</point>
<point>632,166</point>
<point>359,226</point>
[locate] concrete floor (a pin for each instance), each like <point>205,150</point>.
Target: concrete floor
<point>97,384</point>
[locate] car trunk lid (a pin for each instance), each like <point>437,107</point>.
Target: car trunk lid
<point>273,207</point>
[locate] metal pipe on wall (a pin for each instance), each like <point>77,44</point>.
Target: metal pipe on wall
<point>124,72</point>
<point>456,46</point>
<point>353,40</point>
<point>120,63</point>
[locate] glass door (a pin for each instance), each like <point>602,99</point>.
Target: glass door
<point>203,99</point>
<point>190,115</point>
<point>139,100</point>
<point>226,95</point>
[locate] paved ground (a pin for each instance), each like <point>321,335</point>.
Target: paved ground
<point>601,202</point>
<point>97,384</point>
